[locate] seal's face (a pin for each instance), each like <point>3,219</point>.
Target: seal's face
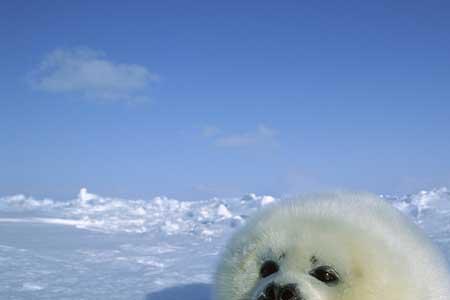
<point>270,288</point>
<point>291,255</point>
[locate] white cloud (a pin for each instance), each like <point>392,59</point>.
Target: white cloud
<point>262,134</point>
<point>88,72</point>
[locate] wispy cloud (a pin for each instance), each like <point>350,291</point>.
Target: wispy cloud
<point>210,131</point>
<point>262,134</point>
<point>89,73</point>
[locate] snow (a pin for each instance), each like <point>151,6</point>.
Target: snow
<point>266,200</point>
<point>223,212</point>
<point>95,247</point>
<point>84,196</point>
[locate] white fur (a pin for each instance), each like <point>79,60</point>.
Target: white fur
<point>378,253</point>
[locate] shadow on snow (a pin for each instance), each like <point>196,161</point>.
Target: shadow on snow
<point>197,291</point>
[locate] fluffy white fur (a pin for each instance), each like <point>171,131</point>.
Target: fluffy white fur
<point>377,252</point>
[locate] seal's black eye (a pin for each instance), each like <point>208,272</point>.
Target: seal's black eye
<point>325,274</point>
<point>268,268</point>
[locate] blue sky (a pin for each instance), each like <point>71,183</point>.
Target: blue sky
<point>219,98</point>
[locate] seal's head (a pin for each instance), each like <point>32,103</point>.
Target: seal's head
<point>331,247</point>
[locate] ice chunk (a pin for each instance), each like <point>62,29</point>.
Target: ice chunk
<point>223,212</point>
<point>266,200</point>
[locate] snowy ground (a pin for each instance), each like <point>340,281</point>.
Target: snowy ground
<point>95,247</point>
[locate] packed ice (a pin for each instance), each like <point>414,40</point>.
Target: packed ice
<point>95,247</point>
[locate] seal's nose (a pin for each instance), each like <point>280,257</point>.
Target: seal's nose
<point>276,292</point>
<point>289,292</point>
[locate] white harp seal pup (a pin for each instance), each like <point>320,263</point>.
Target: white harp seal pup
<point>340,246</point>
